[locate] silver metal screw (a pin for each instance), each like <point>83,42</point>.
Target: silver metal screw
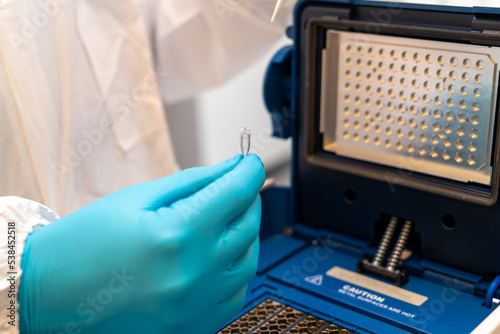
<point>400,246</point>
<point>385,242</point>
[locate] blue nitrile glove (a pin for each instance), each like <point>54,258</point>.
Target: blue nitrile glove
<point>168,256</point>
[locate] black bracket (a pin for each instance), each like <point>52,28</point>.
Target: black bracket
<point>398,276</point>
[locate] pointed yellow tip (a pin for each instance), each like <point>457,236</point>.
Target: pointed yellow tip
<point>274,17</point>
<point>276,9</point>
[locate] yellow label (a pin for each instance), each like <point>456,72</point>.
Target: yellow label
<point>377,286</point>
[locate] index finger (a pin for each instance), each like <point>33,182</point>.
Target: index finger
<point>227,197</point>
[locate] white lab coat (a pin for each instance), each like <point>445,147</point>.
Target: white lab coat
<point>81,87</point>
<point>82,82</point>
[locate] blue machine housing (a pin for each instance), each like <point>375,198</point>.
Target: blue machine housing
<point>334,218</point>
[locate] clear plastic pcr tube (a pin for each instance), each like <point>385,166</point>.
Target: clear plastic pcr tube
<point>245,140</point>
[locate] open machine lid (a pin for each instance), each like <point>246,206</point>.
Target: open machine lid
<point>393,110</point>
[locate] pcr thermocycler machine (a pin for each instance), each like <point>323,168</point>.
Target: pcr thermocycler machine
<point>392,224</point>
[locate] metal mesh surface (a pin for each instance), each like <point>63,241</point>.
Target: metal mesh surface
<point>272,317</point>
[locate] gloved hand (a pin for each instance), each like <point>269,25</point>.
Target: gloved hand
<point>169,256</point>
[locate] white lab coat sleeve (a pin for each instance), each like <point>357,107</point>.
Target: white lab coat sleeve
<point>199,44</point>
<point>18,218</point>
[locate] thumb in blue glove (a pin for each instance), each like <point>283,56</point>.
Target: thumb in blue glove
<point>169,256</point>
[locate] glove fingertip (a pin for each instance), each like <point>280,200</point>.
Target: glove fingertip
<point>234,160</point>
<point>256,167</point>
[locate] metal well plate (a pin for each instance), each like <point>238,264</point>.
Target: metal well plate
<point>418,105</point>
<point>272,317</point>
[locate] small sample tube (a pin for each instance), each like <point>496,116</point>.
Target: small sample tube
<point>245,140</point>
